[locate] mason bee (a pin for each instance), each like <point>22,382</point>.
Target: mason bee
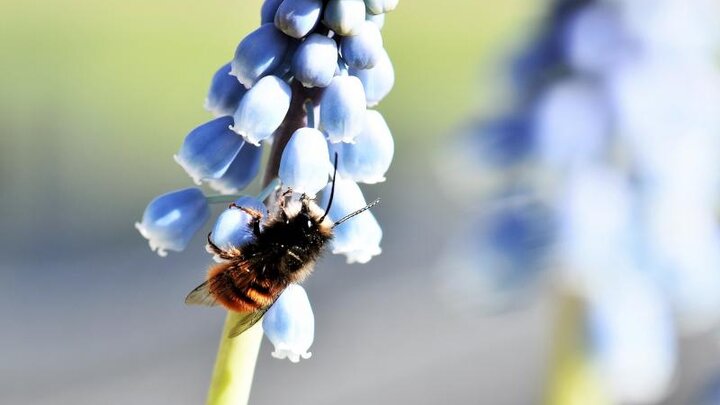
<point>250,278</point>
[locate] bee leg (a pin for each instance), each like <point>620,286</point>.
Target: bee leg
<point>305,201</point>
<point>213,248</point>
<point>257,216</point>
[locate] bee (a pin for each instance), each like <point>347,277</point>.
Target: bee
<point>284,250</point>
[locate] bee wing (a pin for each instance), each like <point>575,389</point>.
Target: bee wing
<point>247,320</point>
<point>201,296</point>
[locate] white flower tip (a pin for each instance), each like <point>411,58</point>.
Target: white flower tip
<point>222,188</point>
<point>142,230</point>
<point>154,245</point>
<point>244,81</point>
<point>359,256</point>
<point>196,178</point>
<point>290,355</point>
<point>246,136</point>
<point>373,180</point>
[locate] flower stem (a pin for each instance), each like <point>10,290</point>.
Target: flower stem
<point>221,198</point>
<point>236,358</point>
<point>235,365</point>
<point>228,198</point>
<point>572,377</point>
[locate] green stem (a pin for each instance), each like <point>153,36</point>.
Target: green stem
<point>228,198</point>
<point>235,365</point>
<point>222,198</point>
<point>573,380</point>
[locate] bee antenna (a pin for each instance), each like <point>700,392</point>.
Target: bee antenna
<point>360,211</point>
<point>332,189</point>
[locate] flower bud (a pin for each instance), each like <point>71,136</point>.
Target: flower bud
<point>262,109</point>
<point>242,171</point>
<point>357,238</point>
<point>344,16</point>
<point>364,50</point>
<point>209,149</point>
<point>296,18</point>
<point>170,220</point>
<point>258,54</point>
<point>315,61</point>
<point>377,81</point>
<point>224,94</point>
<point>380,6</point>
<point>290,324</point>
<point>305,163</point>
<point>268,10</point>
<point>342,109</point>
<point>232,228</point>
<point>366,160</point>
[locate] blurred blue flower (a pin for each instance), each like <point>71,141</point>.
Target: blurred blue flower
<point>305,162</point>
<point>297,18</point>
<point>595,40</point>
<point>315,61</point>
<point>209,149</point>
<point>290,325</point>
<point>224,94</point>
<point>241,172</point>
<point>258,54</point>
<point>572,124</point>
<point>368,159</point>
<point>364,50</point>
<point>262,109</point>
<point>632,339</point>
<point>359,237</point>
<point>344,17</point>
<point>342,109</point>
<point>170,220</point>
<point>378,80</point>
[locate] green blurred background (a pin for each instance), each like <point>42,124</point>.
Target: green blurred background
<point>96,97</point>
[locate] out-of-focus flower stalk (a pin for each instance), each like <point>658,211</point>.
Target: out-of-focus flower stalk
<point>573,380</point>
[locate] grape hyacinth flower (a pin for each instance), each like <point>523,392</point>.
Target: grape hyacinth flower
<point>342,109</point>
<point>369,157</point>
<point>232,226</point>
<point>378,80</point>
<point>209,150</point>
<point>262,109</point>
<point>225,93</point>
<point>304,166</point>
<point>619,102</point>
<point>172,219</point>
<point>282,76</point>
<point>290,325</point>
<point>315,61</point>
<point>241,172</point>
<point>358,238</point>
<point>259,54</point>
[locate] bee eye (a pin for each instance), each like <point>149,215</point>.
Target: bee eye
<point>309,224</point>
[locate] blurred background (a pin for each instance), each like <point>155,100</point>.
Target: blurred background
<point>97,97</point>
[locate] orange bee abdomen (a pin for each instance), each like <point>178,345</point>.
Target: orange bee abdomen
<point>239,290</point>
